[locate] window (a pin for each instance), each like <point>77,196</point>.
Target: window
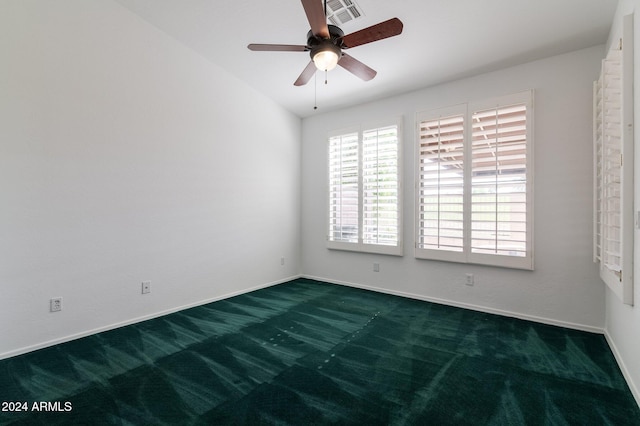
<point>364,189</point>
<point>474,199</point>
<point>613,168</point>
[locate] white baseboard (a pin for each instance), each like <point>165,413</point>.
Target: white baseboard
<point>469,306</point>
<point>478,308</point>
<point>86,333</point>
<point>623,367</point>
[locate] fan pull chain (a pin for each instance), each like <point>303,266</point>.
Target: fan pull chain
<point>326,76</point>
<point>315,90</point>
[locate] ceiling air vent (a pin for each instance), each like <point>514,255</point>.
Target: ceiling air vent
<point>342,11</point>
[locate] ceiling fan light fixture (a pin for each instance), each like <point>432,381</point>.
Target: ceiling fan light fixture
<point>326,56</point>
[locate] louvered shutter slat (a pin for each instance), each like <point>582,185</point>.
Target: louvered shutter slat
<point>380,186</point>
<point>343,188</point>
<point>441,184</point>
<point>498,183</point>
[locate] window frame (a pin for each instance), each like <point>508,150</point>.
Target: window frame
<point>360,245</point>
<point>466,255</point>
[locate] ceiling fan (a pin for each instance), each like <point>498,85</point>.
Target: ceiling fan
<point>327,42</point>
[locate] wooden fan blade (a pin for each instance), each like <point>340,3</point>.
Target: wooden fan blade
<point>317,19</point>
<point>277,48</point>
<point>306,75</point>
<point>356,67</point>
<point>386,29</point>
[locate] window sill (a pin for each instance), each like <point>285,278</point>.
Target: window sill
<point>366,248</point>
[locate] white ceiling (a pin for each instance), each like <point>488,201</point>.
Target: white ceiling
<point>442,40</point>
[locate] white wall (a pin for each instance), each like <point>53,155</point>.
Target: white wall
<point>622,321</point>
<point>565,287</point>
<point>124,157</point>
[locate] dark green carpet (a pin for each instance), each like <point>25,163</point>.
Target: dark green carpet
<point>308,353</point>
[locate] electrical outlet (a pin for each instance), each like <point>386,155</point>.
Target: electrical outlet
<point>146,287</point>
<point>376,267</point>
<point>55,304</point>
<point>469,280</point>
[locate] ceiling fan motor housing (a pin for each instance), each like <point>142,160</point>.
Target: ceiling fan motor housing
<point>334,33</point>
<point>333,43</point>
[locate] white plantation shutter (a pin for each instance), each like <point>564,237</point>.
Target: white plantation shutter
<point>441,183</point>
<point>380,186</point>
<point>597,168</point>
<point>499,181</point>
<point>364,190</point>
<point>474,183</point>
<point>613,167</point>
<point>610,173</point>
<point>343,188</point>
